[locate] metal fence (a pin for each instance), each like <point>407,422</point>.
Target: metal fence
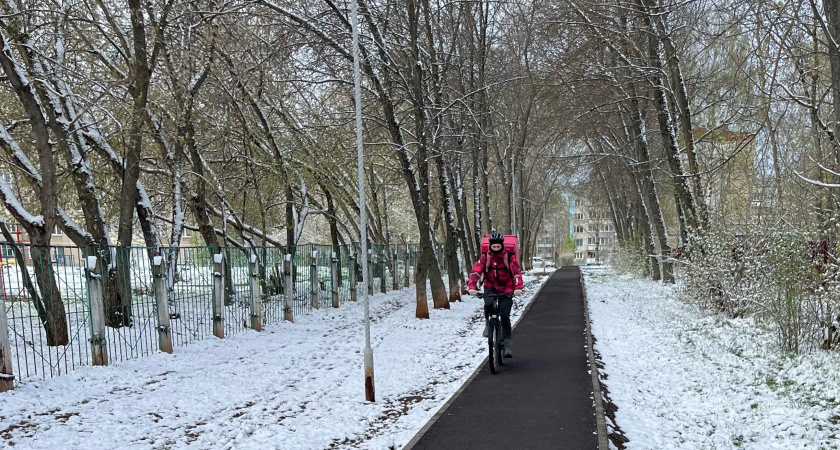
<point>52,324</point>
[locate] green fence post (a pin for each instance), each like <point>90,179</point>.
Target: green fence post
<point>383,280</point>
<point>395,270</point>
<point>406,268</point>
<point>353,281</point>
<point>288,289</point>
<point>370,272</point>
<point>334,280</point>
<point>313,275</point>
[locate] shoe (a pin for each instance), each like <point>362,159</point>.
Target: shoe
<point>486,331</point>
<point>508,349</point>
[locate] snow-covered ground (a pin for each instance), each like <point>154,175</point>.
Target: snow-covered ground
<point>294,386</point>
<point>689,380</point>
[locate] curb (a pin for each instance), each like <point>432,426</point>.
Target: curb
<point>600,422</point>
<point>466,383</point>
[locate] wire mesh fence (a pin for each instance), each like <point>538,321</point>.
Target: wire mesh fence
<point>47,295</point>
<point>39,350</point>
<point>272,285</point>
<point>189,298</point>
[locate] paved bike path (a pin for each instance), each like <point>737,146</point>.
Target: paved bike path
<point>541,399</point>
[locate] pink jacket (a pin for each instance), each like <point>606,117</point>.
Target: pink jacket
<point>503,278</point>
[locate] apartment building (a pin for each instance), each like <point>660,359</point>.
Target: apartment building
<point>64,250</point>
<point>592,230</point>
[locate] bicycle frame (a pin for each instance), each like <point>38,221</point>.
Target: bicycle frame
<point>494,336</point>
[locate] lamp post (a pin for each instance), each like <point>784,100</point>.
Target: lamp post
<point>357,94</point>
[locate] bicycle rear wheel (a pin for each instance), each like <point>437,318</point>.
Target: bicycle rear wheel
<point>493,344</point>
<point>501,346</point>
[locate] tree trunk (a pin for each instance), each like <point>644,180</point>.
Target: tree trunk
<point>451,240</point>
<point>832,12</point>
<point>477,203</point>
<point>49,305</point>
<point>462,237</point>
<point>421,203</point>
<point>140,78</point>
<point>682,194</point>
<point>685,120</point>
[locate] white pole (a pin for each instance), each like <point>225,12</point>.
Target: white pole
<point>357,93</point>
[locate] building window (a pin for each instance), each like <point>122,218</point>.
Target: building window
<point>606,241</point>
<point>59,256</point>
<point>57,231</point>
<point>590,255</point>
<point>579,216</point>
<point>591,241</point>
<point>607,227</point>
<point>579,255</point>
<point>6,176</point>
<point>185,233</point>
<point>579,229</point>
<point>578,242</point>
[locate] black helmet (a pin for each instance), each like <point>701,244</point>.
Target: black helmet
<point>496,238</point>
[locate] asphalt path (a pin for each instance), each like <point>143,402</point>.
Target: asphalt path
<point>540,399</point>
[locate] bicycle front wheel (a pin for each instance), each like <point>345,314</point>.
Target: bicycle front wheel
<point>493,343</point>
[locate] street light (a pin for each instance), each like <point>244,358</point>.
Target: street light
<point>357,94</point>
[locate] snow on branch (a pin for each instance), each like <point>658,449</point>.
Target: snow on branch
<point>16,209</point>
<point>21,160</point>
<point>309,26</point>
<point>816,182</point>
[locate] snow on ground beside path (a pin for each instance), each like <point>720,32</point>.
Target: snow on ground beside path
<point>294,386</point>
<point>689,380</point>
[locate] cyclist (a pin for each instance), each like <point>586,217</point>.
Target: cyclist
<point>501,275</point>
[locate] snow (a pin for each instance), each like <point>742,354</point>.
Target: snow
<point>69,223</point>
<point>20,157</point>
<point>685,379</point>
<point>16,208</point>
<point>294,386</point>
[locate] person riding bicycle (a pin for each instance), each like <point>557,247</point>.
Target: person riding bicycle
<point>500,272</point>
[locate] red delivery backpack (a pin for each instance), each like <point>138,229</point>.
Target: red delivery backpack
<point>511,247</point>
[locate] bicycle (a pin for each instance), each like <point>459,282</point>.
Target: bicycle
<point>494,334</point>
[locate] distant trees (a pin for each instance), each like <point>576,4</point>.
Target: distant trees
<point>711,128</point>
<point>235,118</point>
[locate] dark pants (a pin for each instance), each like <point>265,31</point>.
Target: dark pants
<point>505,304</point>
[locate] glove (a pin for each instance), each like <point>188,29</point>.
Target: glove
<point>473,292</point>
<point>517,292</point>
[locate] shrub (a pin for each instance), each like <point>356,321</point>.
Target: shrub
<point>631,261</point>
<point>785,279</point>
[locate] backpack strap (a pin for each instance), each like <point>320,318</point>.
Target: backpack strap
<point>507,262</point>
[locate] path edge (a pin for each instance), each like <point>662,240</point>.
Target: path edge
<point>466,383</point>
<point>600,421</point>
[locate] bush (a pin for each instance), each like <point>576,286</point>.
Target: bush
<point>630,261</point>
<point>566,259</point>
<point>782,278</point>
